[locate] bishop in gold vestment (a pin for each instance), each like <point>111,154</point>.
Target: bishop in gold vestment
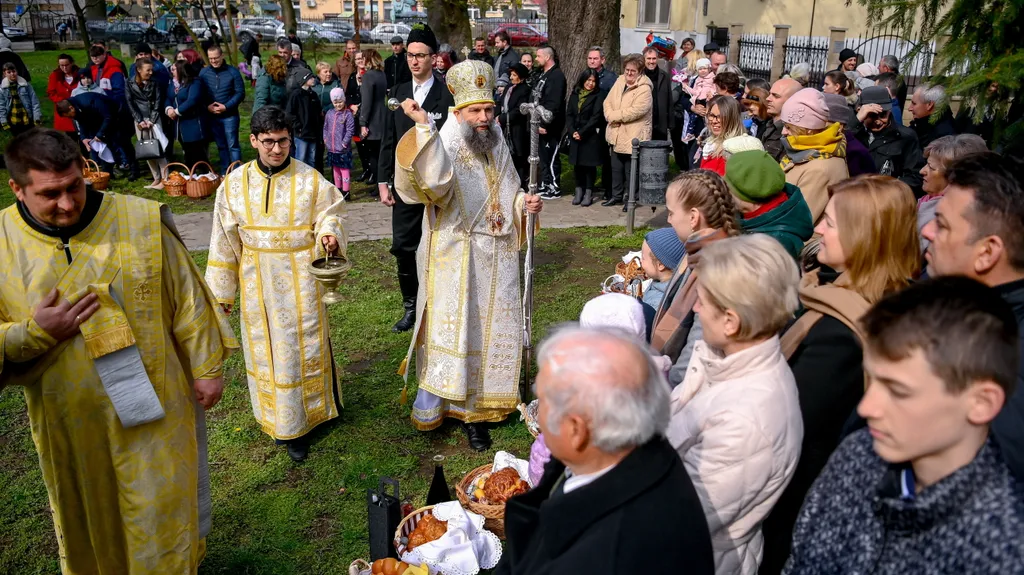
<point>468,334</point>
<point>269,223</point>
<point>112,402</point>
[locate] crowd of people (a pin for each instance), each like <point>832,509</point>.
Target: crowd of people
<point>823,376</point>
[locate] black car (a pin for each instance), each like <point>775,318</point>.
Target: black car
<point>344,28</point>
<point>133,32</point>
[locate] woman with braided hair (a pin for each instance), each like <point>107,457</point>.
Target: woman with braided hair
<point>700,210</point>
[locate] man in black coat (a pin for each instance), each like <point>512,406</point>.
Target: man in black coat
<point>922,107</point>
<point>97,117</point>
<point>615,497</point>
<point>480,51</point>
<point>396,66</point>
<point>552,88</point>
<point>431,93</point>
<point>662,112</point>
<point>893,147</point>
<point>982,237</point>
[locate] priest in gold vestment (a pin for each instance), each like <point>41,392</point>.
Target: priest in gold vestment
<point>468,334</point>
<point>108,326</point>
<point>272,217</point>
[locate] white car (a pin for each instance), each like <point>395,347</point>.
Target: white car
<point>383,33</point>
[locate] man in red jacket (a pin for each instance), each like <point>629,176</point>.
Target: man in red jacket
<point>62,81</point>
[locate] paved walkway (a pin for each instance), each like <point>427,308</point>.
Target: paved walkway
<point>372,221</point>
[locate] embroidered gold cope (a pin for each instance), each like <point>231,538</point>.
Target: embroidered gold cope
<point>468,334</point>
<point>124,499</point>
<point>266,231</point>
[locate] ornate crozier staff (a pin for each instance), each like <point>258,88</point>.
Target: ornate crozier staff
<point>538,115</point>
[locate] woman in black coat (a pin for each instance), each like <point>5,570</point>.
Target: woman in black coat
<point>585,127</point>
<point>373,93</point>
<point>514,124</point>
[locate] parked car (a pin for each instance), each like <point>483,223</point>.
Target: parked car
<point>520,35</point>
<point>198,28</point>
<point>346,29</point>
<point>15,33</point>
<point>248,28</point>
<point>383,33</point>
<point>307,30</point>
<point>133,32</point>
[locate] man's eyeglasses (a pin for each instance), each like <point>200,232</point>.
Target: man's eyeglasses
<point>269,144</point>
<point>420,57</point>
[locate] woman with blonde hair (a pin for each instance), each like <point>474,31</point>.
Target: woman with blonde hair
<point>725,121</point>
<point>701,211</point>
<point>868,249</point>
<point>627,109</point>
<point>271,84</point>
<point>736,416</point>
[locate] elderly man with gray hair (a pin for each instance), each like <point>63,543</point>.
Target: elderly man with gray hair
<point>922,105</point>
<point>615,497</point>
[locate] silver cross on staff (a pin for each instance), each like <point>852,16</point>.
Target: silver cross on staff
<point>538,115</point>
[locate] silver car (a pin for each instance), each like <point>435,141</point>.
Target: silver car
<point>248,28</point>
<point>307,30</point>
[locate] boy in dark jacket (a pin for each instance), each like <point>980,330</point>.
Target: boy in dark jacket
<point>769,205</point>
<point>307,117</point>
<point>925,488</point>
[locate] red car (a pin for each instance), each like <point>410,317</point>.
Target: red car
<point>520,34</point>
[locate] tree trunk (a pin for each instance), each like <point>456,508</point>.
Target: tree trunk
<point>288,17</point>
<point>449,19</point>
<point>83,30</point>
<point>576,25</point>
<point>357,22</point>
<point>231,30</point>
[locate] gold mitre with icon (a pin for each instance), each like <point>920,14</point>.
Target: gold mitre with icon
<point>471,82</point>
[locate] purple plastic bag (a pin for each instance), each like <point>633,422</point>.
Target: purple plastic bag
<point>539,456</point>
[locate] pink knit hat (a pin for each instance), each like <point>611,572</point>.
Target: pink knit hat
<point>806,109</point>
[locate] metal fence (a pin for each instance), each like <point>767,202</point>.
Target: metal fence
<point>810,50</point>
<point>755,55</point>
<point>886,41</point>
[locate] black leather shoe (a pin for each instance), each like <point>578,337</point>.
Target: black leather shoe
<point>298,451</point>
<point>611,202</point>
<point>409,319</point>
<point>479,437</point>
<point>625,208</point>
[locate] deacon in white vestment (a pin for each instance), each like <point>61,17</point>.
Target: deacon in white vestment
<point>469,324</point>
<point>273,216</point>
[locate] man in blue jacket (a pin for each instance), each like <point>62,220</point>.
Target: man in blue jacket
<point>224,90</point>
<point>97,117</point>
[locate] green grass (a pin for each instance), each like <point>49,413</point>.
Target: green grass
<point>276,518</point>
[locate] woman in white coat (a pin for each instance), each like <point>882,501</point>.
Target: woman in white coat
<point>736,416</point>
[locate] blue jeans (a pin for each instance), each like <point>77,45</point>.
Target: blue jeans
<point>225,133</point>
<point>305,151</point>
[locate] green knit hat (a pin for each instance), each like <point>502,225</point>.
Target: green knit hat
<point>754,176</point>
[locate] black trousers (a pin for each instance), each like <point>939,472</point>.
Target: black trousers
<point>606,175</point>
<point>680,150</point>
<point>406,230</point>
<point>522,165</point>
<point>195,152</point>
<point>169,128</point>
<point>370,156</point>
<point>319,164</point>
<point>620,175</point>
<point>586,176</point>
<point>550,160</point>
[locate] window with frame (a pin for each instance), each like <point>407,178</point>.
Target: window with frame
<point>655,12</point>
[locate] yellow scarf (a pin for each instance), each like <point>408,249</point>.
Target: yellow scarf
<point>829,143</point>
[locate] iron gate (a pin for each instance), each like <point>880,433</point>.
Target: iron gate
<point>755,55</point>
<point>886,41</point>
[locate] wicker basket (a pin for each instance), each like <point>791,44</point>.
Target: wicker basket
<point>172,188</point>
<point>100,180</point>
<point>232,166</point>
<point>494,515</point>
<point>407,525</point>
<point>197,189</point>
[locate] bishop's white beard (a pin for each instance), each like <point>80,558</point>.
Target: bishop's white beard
<point>479,142</point>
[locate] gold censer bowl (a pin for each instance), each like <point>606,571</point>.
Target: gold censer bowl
<point>329,272</point>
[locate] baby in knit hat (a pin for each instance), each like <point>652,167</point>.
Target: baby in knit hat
<point>704,86</point>
<point>660,256</point>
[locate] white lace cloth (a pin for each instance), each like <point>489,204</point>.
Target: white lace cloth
<point>503,459</point>
<point>464,549</point>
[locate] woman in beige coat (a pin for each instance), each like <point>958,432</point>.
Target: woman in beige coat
<point>814,148</point>
<point>736,416</point>
<point>627,109</point>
